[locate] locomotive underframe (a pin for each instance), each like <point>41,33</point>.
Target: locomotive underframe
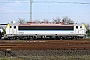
<point>36,37</point>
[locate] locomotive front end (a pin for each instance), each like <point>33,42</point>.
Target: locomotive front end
<point>1,32</point>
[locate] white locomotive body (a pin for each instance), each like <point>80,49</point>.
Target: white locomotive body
<point>60,31</point>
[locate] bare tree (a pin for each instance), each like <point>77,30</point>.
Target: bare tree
<point>45,20</point>
<point>67,20</point>
<point>56,20</point>
<point>21,21</point>
<point>37,21</point>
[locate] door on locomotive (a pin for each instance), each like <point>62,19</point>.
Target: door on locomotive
<point>76,30</point>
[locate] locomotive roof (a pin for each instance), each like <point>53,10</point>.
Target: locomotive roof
<point>45,25</point>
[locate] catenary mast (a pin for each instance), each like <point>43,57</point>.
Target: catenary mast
<point>30,10</point>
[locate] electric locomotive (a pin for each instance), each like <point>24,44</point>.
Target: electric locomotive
<point>45,30</point>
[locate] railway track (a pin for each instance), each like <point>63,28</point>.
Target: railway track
<point>44,44</point>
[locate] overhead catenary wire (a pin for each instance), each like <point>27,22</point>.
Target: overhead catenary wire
<point>42,13</point>
<point>46,2</point>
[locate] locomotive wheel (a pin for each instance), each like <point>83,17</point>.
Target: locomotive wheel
<point>11,38</point>
<point>77,38</point>
<point>57,38</point>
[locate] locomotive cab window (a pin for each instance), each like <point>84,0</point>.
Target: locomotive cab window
<point>80,26</point>
<point>14,27</point>
<point>76,27</point>
<point>10,26</point>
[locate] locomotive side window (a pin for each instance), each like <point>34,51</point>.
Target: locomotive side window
<point>14,27</point>
<point>76,27</point>
<point>80,26</point>
<point>10,26</point>
<point>46,27</point>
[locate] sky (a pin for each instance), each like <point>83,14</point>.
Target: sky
<point>11,10</point>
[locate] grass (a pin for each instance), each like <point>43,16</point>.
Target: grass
<point>85,57</point>
<point>5,59</point>
<point>19,41</point>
